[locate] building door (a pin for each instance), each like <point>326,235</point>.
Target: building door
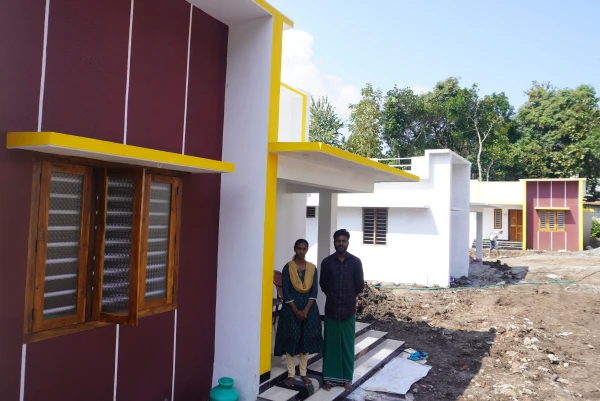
<point>515,230</point>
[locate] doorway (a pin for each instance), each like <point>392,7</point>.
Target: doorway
<point>515,229</point>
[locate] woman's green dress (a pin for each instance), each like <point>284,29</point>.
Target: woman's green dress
<point>294,336</point>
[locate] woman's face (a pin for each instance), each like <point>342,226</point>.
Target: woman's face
<point>301,250</point>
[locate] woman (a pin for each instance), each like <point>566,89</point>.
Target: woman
<point>299,329</point>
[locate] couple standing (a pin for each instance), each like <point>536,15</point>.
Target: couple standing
<point>299,327</point>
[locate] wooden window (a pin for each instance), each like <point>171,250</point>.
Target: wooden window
<point>551,220</point>
<point>375,226</point>
<point>311,211</point>
<point>497,219</point>
<point>103,247</point>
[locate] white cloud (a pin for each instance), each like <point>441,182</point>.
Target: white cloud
<point>300,70</point>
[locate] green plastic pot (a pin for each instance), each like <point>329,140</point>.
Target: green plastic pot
<point>224,391</point>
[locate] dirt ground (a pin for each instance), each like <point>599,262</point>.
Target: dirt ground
<point>502,342</point>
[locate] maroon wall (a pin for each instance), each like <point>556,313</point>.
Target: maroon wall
<point>553,194</point>
<point>84,94</point>
<point>21,55</point>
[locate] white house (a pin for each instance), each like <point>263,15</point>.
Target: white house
<point>413,232</point>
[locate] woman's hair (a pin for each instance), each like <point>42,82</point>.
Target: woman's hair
<point>300,241</point>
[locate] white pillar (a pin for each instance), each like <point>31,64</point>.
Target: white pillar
<point>327,226</point>
<point>479,236</point>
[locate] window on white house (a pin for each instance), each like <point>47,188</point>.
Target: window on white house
<point>375,226</point>
<point>311,212</point>
<point>497,219</point>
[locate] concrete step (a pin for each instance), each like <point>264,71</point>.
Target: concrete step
<point>364,368</point>
<point>362,346</point>
<point>279,367</point>
<point>507,245</point>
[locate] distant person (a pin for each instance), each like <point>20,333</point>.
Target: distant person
<point>299,330</point>
<point>341,280</point>
<point>494,241</point>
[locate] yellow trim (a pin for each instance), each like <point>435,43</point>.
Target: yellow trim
<point>524,234</point>
<point>581,188</point>
<point>318,147</point>
<point>304,108</point>
<point>104,150</point>
<point>275,13</point>
<point>271,198</point>
<point>552,208</point>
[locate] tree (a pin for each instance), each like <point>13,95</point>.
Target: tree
<point>565,123</point>
<point>405,123</point>
<point>365,124</point>
<point>479,119</point>
<point>325,125</point>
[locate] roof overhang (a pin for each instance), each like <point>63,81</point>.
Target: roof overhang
<point>77,146</point>
<point>232,12</point>
<point>313,166</point>
<point>479,206</point>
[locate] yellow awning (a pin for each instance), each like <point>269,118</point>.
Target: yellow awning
<point>318,154</point>
<point>71,145</point>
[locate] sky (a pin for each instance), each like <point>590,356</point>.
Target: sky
<point>337,46</point>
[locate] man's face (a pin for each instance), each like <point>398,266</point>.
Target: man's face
<point>301,250</point>
<point>341,244</point>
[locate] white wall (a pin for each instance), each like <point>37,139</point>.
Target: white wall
<point>497,192</point>
<point>488,223</point>
<point>419,223</point>
<point>290,116</point>
<point>240,262</point>
<point>459,221</point>
<point>291,224</point>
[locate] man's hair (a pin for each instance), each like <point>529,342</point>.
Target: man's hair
<point>300,241</point>
<point>341,233</point>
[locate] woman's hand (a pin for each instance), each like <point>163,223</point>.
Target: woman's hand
<point>300,315</point>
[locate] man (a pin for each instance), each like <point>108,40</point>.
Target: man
<point>494,241</point>
<point>341,281</point>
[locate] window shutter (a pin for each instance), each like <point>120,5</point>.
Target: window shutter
<point>543,221</point>
<point>561,220</point>
<point>497,218</point>
<point>381,226</point>
<point>311,211</point>
<point>368,226</point>
<point>63,236</point>
<point>118,251</point>
<point>552,221</point>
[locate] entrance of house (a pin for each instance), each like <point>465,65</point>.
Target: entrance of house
<point>515,230</point>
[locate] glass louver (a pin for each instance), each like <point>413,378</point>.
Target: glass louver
<point>62,245</point>
<point>117,245</point>
<point>157,257</point>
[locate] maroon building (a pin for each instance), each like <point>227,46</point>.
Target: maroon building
<point>113,70</point>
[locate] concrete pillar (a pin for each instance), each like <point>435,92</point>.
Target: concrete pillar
<point>479,236</point>
<point>327,226</point>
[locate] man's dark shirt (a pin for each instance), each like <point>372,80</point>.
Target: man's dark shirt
<point>341,282</point>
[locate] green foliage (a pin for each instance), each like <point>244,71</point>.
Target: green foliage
<point>365,124</point>
<point>555,134</point>
<point>595,228</point>
<point>325,125</point>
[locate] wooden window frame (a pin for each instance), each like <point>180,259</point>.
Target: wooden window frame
<point>91,246</point>
<point>555,214</point>
<point>375,218</point>
<point>498,226</point>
